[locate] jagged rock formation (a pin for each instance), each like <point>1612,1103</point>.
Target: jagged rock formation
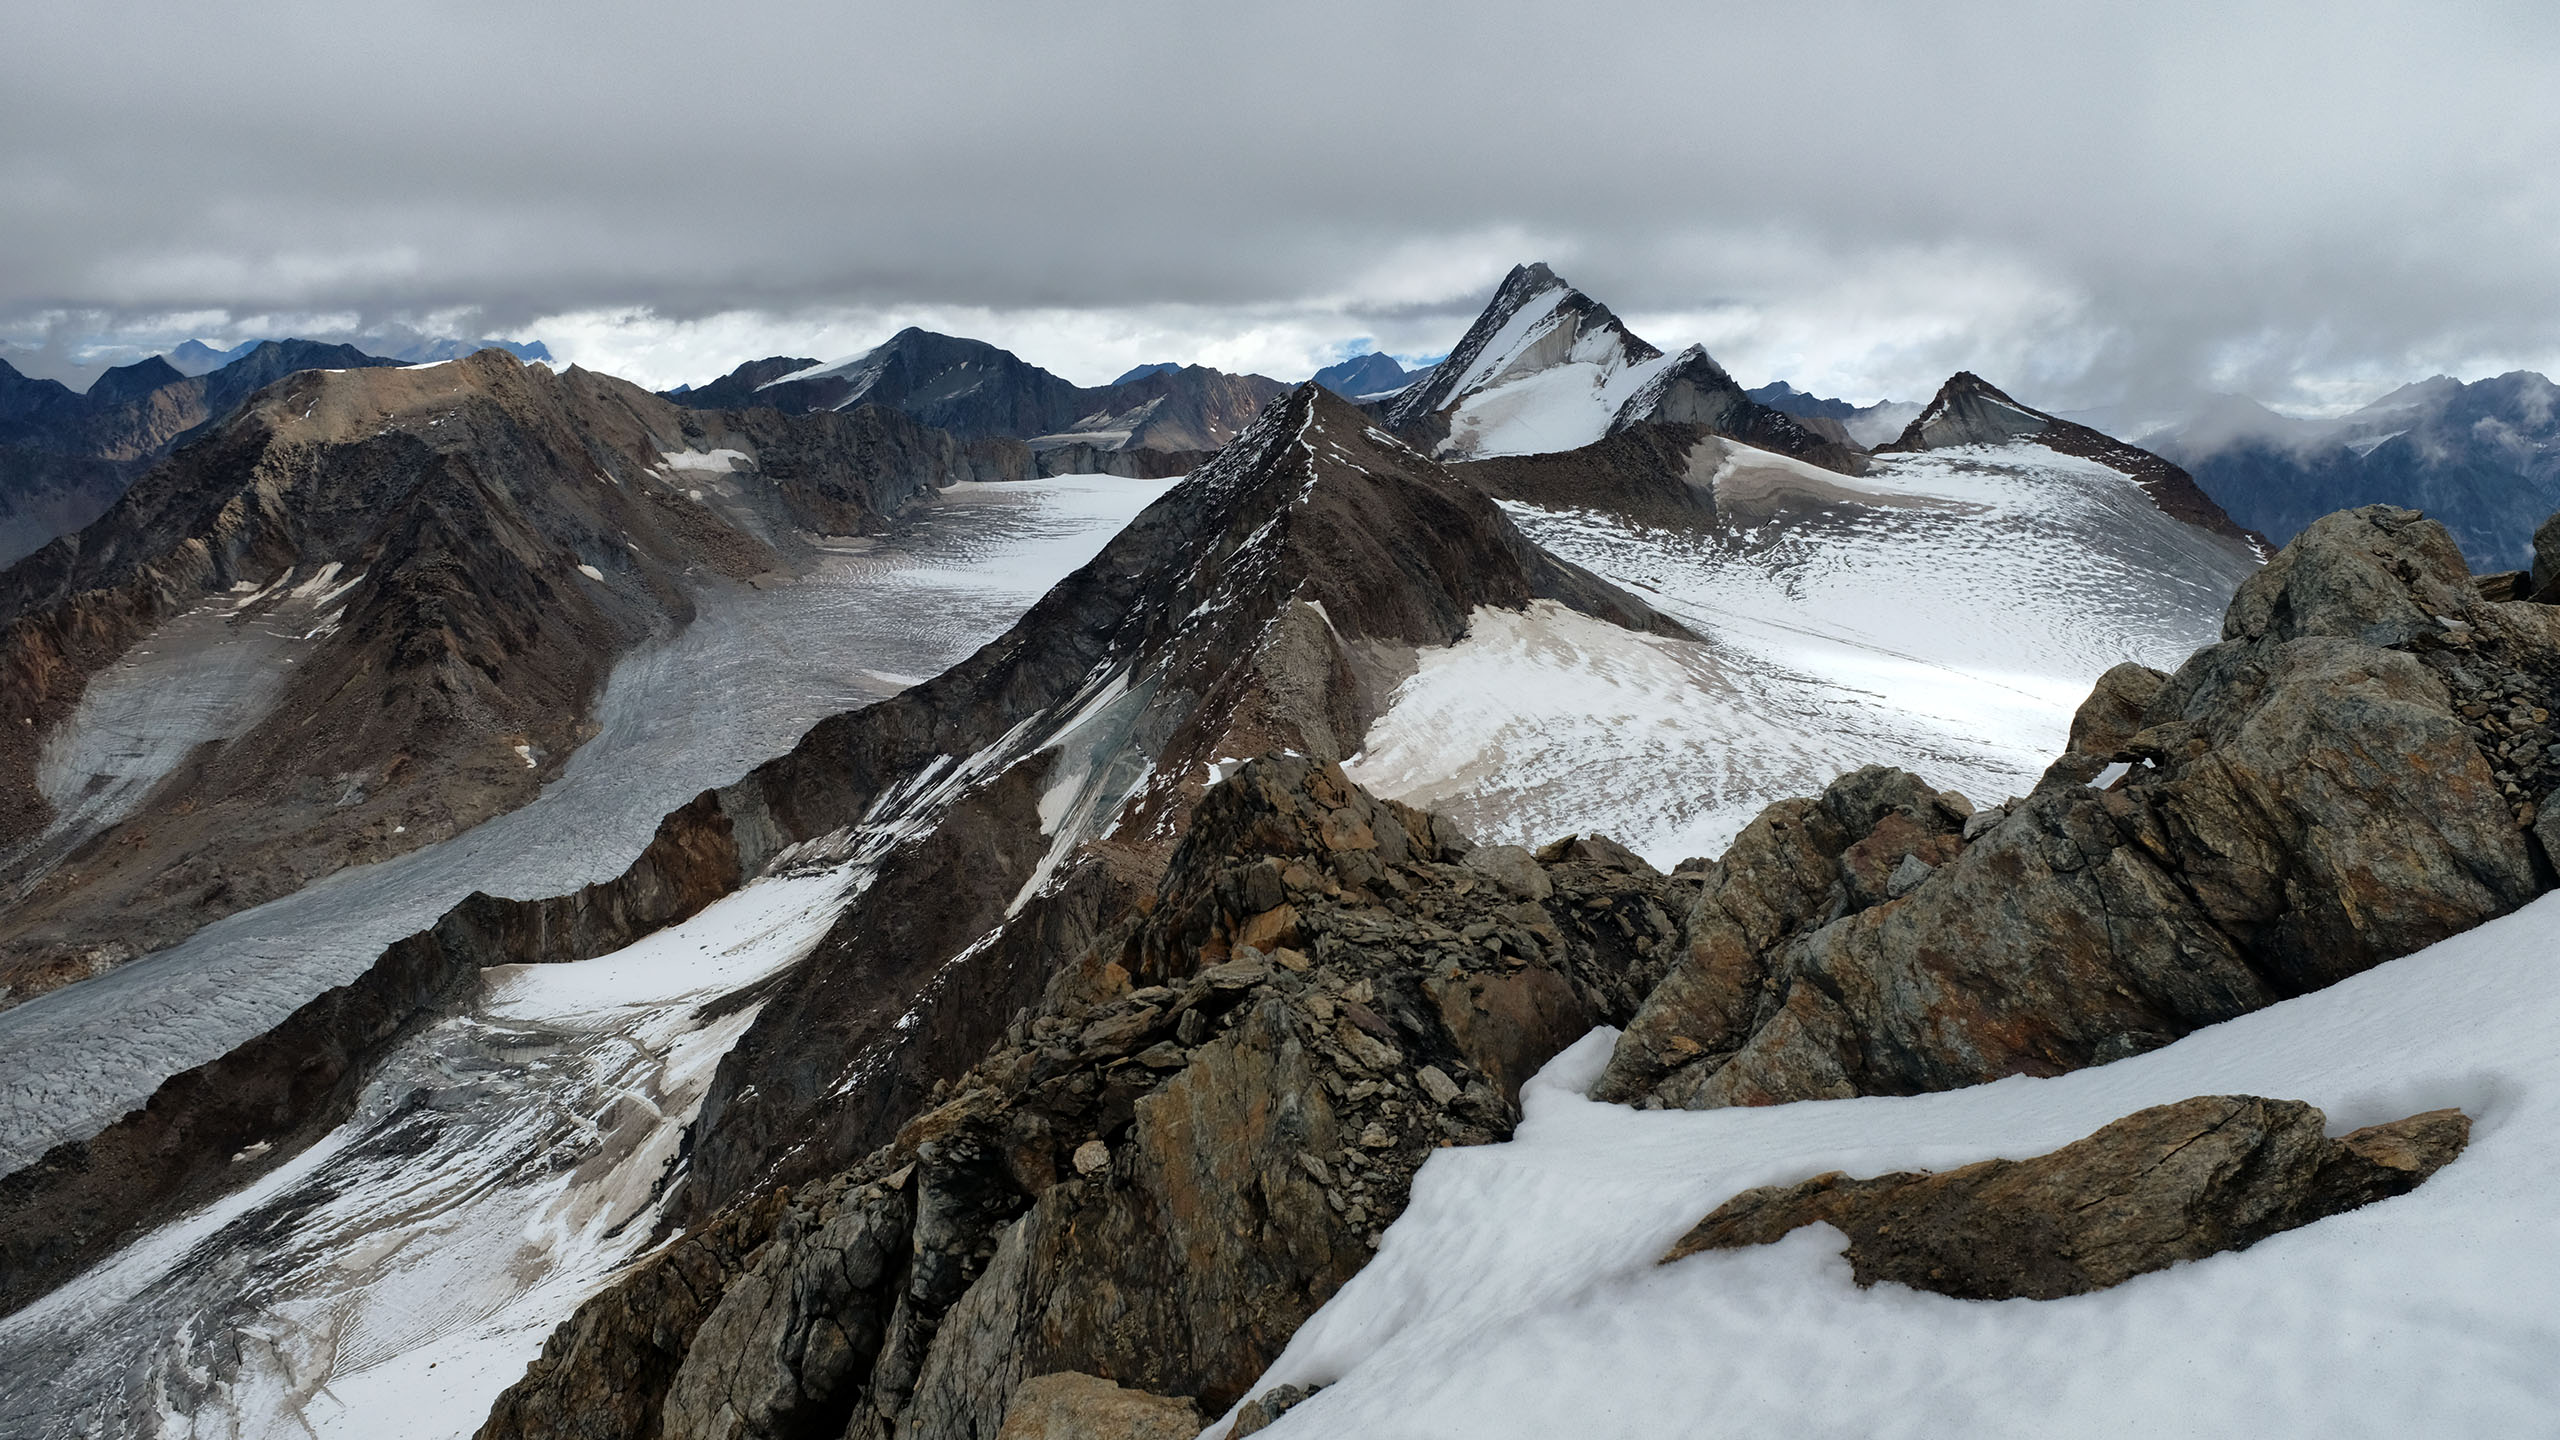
<point>2354,773</point>
<point>975,390</point>
<point>1969,410</point>
<point>2171,1183</point>
<point>389,597</point>
<point>1548,368</point>
<point>1320,991</point>
<point>2482,458</point>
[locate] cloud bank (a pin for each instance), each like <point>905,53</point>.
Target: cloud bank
<point>2090,204</point>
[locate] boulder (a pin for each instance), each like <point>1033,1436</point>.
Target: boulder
<point>1801,865</point>
<point>1069,1406</point>
<point>1264,1410</point>
<point>2175,1182</point>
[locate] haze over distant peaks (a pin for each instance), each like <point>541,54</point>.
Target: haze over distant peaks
<point>2484,458</point>
<point>1869,425</point>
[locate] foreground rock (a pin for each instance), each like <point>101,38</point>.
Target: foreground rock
<point>1197,1135</point>
<point>2175,1182</point>
<point>1068,1406</point>
<point>2354,773</point>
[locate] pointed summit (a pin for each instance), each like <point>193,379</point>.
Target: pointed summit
<point>1547,368</point>
<point>1969,410</point>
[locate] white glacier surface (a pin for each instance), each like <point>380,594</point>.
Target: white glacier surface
<point>1944,613</point>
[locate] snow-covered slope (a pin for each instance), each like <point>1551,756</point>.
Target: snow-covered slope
<point>1545,367</point>
<point>1944,613</point>
<point>1519,1295</point>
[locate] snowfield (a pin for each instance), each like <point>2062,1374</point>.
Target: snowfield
<point>1945,613</point>
<point>1519,1295</point>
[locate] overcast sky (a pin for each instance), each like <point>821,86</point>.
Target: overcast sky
<point>2087,204</point>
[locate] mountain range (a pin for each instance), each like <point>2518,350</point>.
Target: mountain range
<point>815,905</point>
<point>2483,458</point>
<point>975,390</point>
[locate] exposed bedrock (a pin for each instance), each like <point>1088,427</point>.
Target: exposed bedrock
<point>1193,1138</point>
<point>2350,775</point>
<point>2171,1183</point>
<point>426,576</point>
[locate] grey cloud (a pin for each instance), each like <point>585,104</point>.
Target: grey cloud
<point>2175,193</point>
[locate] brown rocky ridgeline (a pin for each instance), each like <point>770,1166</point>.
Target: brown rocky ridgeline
<point>2171,1183</point>
<point>465,505</point>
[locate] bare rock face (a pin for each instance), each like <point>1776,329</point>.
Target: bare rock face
<point>1191,1141</point>
<point>2349,777</point>
<point>2545,576</point>
<point>1069,1406</point>
<point>2175,1182</point>
<point>1801,865</point>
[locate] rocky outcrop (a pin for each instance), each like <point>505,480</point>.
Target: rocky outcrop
<point>1969,410</point>
<point>1192,1139</point>
<point>1069,1406</point>
<point>2172,1183</point>
<point>2350,776</point>
<point>2545,576</point>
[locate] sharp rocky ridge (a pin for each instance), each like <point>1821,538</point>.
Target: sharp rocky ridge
<point>1270,602</point>
<point>1545,367</point>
